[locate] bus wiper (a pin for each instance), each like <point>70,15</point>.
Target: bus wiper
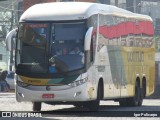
<point>59,64</point>
<point>52,60</point>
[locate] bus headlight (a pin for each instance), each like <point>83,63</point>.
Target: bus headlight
<point>78,82</point>
<point>21,84</point>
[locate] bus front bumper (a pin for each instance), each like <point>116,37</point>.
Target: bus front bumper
<point>79,93</point>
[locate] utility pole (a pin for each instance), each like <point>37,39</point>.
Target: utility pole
<point>11,62</point>
<point>12,16</point>
<point>116,3</point>
<point>134,6</point>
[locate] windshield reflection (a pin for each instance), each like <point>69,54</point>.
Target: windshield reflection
<point>60,44</point>
<point>65,63</point>
<point>67,51</point>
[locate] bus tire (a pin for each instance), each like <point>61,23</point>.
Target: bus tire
<point>140,97</point>
<point>37,106</point>
<point>94,105</point>
<point>142,92</point>
<point>79,104</point>
<point>123,103</point>
<point>144,87</point>
<point>135,101</point>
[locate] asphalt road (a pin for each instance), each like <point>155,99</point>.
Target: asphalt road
<point>108,109</point>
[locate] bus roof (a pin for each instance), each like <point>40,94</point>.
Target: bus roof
<point>58,11</point>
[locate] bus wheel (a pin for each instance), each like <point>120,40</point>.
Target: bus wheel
<point>78,104</point>
<point>37,106</point>
<point>140,98</point>
<point>136,100</point>
<point>144,88</point>
<point>133,101</point>
<point>123,103</point>
<point>94,105</point>
<point>142,92</point>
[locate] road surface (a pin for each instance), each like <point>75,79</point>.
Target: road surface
<point>109,109</point>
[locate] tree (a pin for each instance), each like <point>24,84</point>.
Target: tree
<point>7,19</point>
<point>5,24</point>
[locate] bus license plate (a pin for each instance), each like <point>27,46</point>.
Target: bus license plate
<point>48,96</point>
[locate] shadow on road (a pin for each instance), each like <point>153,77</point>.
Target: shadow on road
<point>104,111</point>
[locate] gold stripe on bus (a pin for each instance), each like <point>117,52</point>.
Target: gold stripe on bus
<point>34,81</point>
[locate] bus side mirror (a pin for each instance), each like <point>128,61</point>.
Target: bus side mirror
<point>9,39</point>
<point>87,41</point>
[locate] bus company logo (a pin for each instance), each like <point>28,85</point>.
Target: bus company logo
<point>48,88</point>
<point>6,114</point>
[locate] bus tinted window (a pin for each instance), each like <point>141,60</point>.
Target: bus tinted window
<point>34,37</point>
<point>69,31</point>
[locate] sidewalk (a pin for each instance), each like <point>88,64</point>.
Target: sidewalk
<point>6,93</point>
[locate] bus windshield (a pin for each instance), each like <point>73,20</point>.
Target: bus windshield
<point>51,47</point>
<point>67,51</point>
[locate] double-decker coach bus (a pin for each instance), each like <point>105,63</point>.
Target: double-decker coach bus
<point>115,58</point>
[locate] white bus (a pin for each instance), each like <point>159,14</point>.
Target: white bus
<point>115,59</point>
